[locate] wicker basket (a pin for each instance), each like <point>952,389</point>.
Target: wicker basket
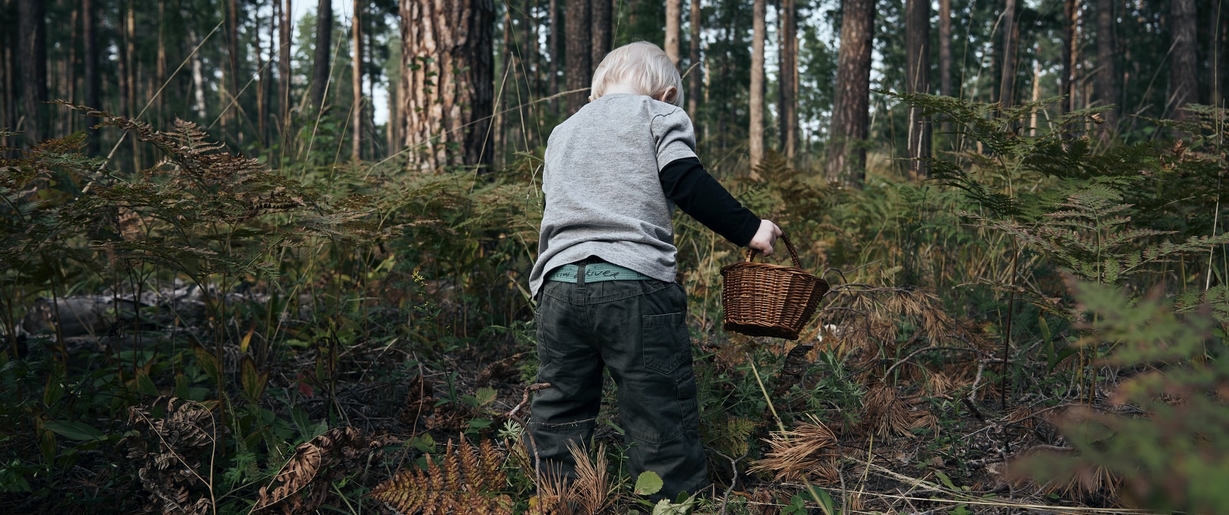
<point>763,299</point>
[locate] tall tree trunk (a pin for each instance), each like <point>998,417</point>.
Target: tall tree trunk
<point>552,43</point>
<point>1036,96</point>
<point>394,123</point>
<point>846,159</point>
<point>917,80</point>
<point>1071,53</point>
<point>945,47</point>
<point>1007,80</point>
<point>130,42</point>
<point>356,26</point>
<point>579,64</point>
<point>262,82</point>
<point>283,71</point>
<point>160,66</point>
<point>674,26</point>
<point>32,20</point>
<point>232,49</point>
<point>755,147</point>
<point>695,77</point>
<point>1215,68</point>
<point>447,60</point>
<point>1107,68</point>
<point>601,13</point>
<point>787,80</point>
<point>198,77</point>
<point>89,57</point>
<point>1183,87</point>
<point>70,73</point>
<point>324,48</point>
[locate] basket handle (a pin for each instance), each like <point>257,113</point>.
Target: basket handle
<point>793,253</point>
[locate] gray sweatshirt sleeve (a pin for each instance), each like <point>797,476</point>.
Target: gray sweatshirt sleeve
<point>674,136</point>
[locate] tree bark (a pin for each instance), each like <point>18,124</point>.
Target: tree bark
<point>232,49</point>
<point>695,78</point>
<point>1183,87</point>
<point>89,57</point>
<point>917,80</point>
<point>787,82</point>
<point>945,47</point>
<point>1071,53</point>
<point>755,148</point>
<point>284,26</point>
<point>579,63</point>
<point>130,56</point>
<point>1007,80</point>
<point>846,159</point>
<point>31,17</point>
<point>674,22</point>
<point>552,43</point>
<point>1107,68</point>
<point>601,12</point>
<point>448,65</point>
<point>356,138</point>
<point>324,48</point>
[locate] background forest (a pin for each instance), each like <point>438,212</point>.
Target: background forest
<point>272,257</point>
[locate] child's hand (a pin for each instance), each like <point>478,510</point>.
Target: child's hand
<point>765,237</point>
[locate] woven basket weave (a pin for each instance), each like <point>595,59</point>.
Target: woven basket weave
<point>762,299</point>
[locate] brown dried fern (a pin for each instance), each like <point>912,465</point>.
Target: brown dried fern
<point>174,453</point>
<point>302,484</point>
<point>465,479</point>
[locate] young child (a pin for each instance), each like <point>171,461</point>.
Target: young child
<point>604,278</point>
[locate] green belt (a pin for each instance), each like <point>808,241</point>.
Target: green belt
<point>595,273</point>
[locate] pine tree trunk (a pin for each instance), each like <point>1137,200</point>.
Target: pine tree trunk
<point>552,75</point>
<point>945,47</point>
<point>32,19</point>
<point>284,26</point>
<point>232,49</point>
<point>89,57</point>
<point>261,84</point>
<point>356,61</point>
<point>695,78</point>
<point>755,147</point>
<point>674,22</point>
<point>846,159</point>
<point>324,48</point>
<point>1007,80</point>
<point>601,13</point>
<point>917,80</point>
<point>70,74</point>
<point>447,61</point>
<point>787,82</point>
<point>130,41</point>
<point>1071,53</point>
<point>1107,68</point>
<point>579,63</point>
<point>1183,87</point>
<point>160,67</point>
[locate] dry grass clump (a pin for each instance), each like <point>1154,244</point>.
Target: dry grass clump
<point>809,452</point>
<point>588,494</point>
<point>888,416</point>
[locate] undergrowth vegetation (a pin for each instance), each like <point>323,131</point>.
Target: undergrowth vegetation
<point>1040,323</point>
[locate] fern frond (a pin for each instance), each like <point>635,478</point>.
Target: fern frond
<point>460,481</point>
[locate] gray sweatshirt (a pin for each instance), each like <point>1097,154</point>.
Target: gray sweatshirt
<point>603,194</point>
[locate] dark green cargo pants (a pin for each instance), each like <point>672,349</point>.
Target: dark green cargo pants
<point>637,329</point>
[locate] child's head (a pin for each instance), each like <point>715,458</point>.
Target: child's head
<point>643,67</point>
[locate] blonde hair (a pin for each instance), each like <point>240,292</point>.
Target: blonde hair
<point>642,66</point>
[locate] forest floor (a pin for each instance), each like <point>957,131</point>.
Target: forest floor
<point>858,445</point>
